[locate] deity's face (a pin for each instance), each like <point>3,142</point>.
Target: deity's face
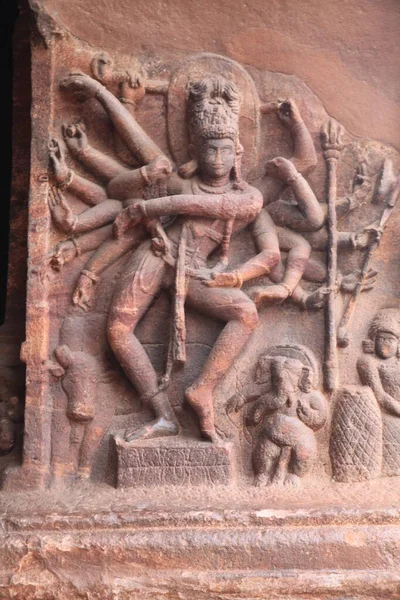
<point>216,158</point>
<point>386,344</point>
<point>286,374</point>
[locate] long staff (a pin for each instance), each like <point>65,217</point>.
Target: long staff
<point>332,144</point>
<point>342,334</point>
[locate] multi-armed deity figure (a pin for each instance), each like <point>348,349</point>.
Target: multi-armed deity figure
<point>210,202</point>
<point>207,201</point>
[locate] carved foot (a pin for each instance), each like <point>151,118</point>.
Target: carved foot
<point>158,428</point>
<point>292,480</point>
<point>271,293</point>
<point>263,480</point>
<point>201,400</point>
<point>215,436</point>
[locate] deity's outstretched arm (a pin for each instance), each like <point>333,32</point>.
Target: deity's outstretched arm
<point>249,393</point>
<point>90,219</point>
<point>90,193</point>
<point>110,251</point>
<point>138,142</point>
<point>369,375</point>
<point>101,165</point>
<point>245,206</point>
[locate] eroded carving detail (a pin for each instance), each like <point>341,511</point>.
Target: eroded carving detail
<point>288,409</point>
<point>365,440</point>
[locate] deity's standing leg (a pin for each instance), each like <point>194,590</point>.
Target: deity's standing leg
<point>240,314</point>
<point>265,458</point>
<point>135,292</point>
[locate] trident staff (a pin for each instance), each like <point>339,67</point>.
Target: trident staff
<point>332,144</point>
<point>342,334</point>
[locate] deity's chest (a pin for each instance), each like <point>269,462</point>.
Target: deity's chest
<point>389,371</point>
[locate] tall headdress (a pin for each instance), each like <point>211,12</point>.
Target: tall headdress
<point>213,112</point>
<point>213,105</point>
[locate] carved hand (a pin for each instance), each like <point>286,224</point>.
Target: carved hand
<point>159,169</point>
<point>362,178</point>
<point>126,219</point>
<point>332,134</point>
<point>281,168</point>
<point>132,87</point>
<point>316,300</point>
<point>75,137</point>
<point>62,214</point>
<point>368,236</point>
<point>288,113</point>
<point>212,279</point>
<point>81,85</point>
<point>64,252</point>
<point>235,404</point>
<point>350,281</point>
<point>84,293</point>
<point>57,161</point>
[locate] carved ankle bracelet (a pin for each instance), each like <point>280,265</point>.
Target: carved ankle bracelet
<point>145,176</point>
<point>90,275</point>
<point>287,288</point>
<point>239,279</point>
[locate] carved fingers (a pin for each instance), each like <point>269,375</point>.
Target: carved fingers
<point>368,236</point>
<point>126,219</point>
<point>159,169</point>
<point>75,136</point>
<point>281,168</point>
<point>349,282</point>
<point>332,137</point>
<point>316,300</point>
<point>64,252</point>
<point>57,161</point>
<point>61,213</point>
<point>362,177</point>
<point>289,113</point>
<point>83,295</point>
<point>81,86</point>
<point>102,67</point>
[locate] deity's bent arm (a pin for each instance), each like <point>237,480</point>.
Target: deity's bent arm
<point>92,239</point>
<point>304,156</point>
<point>111,250</point>
<point>99,215</point>
<point>101,165</point>
<point>264,232</point>
<point>369,375</point>
<point>137,141</point>
<point>306,215</point>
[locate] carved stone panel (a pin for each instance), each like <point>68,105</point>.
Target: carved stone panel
<point>212,315</point>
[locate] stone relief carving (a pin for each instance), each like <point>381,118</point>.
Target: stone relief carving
<point>208,222</point>
<point>366,428</point>
<point>288,409</point>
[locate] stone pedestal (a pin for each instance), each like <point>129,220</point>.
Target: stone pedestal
<point>176,461</point>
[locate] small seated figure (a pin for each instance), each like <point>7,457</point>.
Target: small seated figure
<point>287,410</point>
<point>380,370</point>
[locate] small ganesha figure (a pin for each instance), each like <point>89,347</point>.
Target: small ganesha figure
<point>287,410</point>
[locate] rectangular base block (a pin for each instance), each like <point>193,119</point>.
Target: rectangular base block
<point>179,461</point>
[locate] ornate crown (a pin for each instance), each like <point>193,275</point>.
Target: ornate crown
<point>214,104</point>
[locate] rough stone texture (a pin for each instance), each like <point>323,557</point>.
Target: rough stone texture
<point>177,462</point>
<point>76,536</point>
